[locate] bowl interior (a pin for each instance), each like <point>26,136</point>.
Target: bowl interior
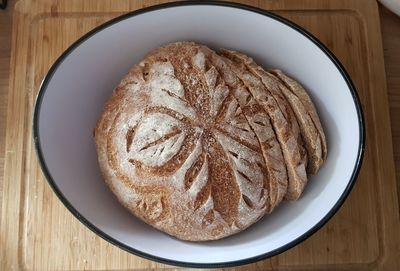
<point>73,96</point>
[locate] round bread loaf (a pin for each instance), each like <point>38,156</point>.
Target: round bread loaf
<point>184,145</point>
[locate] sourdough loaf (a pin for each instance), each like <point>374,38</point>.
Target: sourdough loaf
<point>197,145</point>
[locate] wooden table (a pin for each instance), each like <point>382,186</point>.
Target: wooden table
<point>390,25</point>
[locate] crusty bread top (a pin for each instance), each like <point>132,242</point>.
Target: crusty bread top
<point>176,149</point>
<point>201,146</point>
<point>307,103</point>
<point>302,108</point>
<point>260,122</point>
<point>285,125</point>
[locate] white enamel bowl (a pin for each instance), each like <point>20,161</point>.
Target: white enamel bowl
<point>73,93</point>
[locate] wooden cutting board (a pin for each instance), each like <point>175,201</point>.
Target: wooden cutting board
<point>40,234</point>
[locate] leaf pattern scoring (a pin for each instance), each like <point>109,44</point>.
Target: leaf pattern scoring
<point>190,109</point>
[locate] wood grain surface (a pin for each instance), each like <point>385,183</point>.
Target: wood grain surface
<point>390,25</point>
<point>38,233</point>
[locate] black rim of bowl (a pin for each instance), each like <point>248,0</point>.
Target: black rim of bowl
<point>121,245</point>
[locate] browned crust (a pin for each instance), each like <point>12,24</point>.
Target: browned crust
<point>232,195</point>
<point>309,131</point>
<point>201,146</point>
<point>283,120</point>
<point>305,99</point>
<point>261,124</point>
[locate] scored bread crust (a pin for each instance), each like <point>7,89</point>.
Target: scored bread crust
<point>276,84</point>
<point>283,121</point>
<point>305,99</point>
<point>308,130</point>
<point>176,149</point>
<point>260,122</point>
<point>201,145</point>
